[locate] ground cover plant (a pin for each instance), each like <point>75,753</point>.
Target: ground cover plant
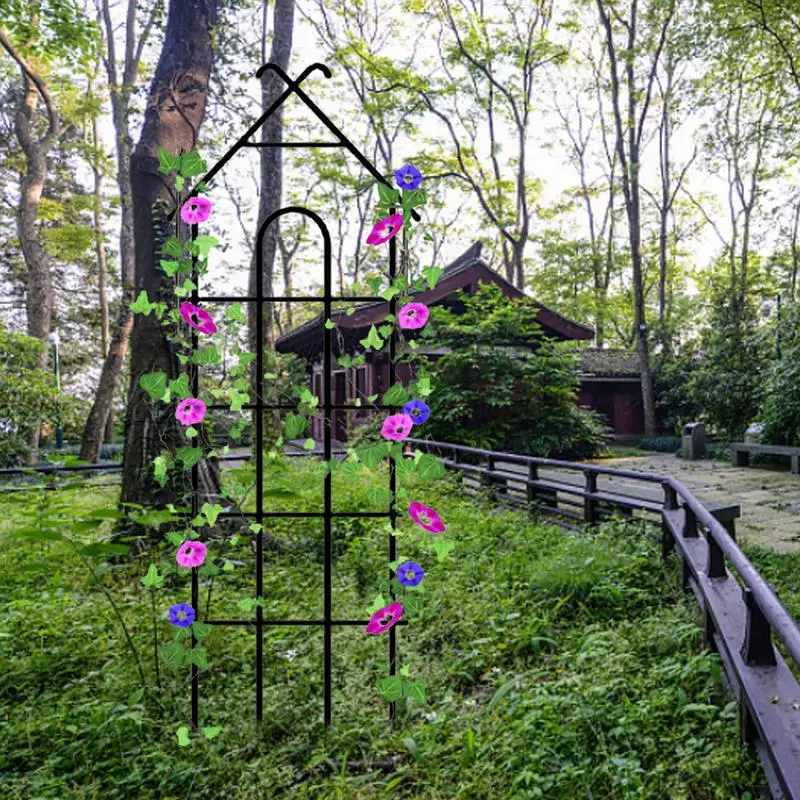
<point>560,665</point>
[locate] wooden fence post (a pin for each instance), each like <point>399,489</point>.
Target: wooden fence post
<point>589,503</point>
<point>667,540</point>
<point>689,523</point>
<point>670,498</point>
<point>757,650</point>
<point>487,481</point>
<point>715,568</point>
<point>530,491</point>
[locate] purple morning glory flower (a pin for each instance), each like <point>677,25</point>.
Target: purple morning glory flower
<point>410,573</point>
<point>408,177</point>
<point>417,410</point>
<point>181,615</point>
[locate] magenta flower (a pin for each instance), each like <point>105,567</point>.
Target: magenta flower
<point>198,318</point>
<point>385,618</point>
<point>397,427</point>
<point>191,554</point>
<point>408,177</point>
<point>385,229</point>
<point>413,316</point>
<point>190,411</point>
<point>426,517</point>
<point>181,615</point>
<point>196,209</point>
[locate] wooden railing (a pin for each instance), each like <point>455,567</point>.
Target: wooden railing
<point>741,610</point>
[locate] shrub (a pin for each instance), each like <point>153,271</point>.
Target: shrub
<point>781,410</point>
<point>26,394</point>
<point>504,385</point>
<point>728,379</point>
<point>661,444</point>
<point>675,403</point>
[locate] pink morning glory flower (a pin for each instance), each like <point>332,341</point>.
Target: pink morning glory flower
<point>385,229</point>
<point>408,177</point>
<point>196,209</point>
<point>397,427</point>
<point>181,615</point>
<point>385,618</point>
<point>198,318</point>
<point>426,517</point>
<point>191,554</point>
<point>190,411</point>
<point>413,316</point>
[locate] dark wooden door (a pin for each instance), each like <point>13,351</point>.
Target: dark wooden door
<point>339,418</point>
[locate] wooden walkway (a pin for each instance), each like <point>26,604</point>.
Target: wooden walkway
<point>769,499</point>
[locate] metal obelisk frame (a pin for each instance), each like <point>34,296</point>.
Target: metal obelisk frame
<point>259,406</point>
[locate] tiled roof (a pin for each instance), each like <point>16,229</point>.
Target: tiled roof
<point>610,363</point>
<point>468,268</point>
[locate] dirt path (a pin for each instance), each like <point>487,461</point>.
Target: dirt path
<point>769,499</point>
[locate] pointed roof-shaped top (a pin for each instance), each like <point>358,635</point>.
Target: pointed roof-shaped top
<point>293,87</point>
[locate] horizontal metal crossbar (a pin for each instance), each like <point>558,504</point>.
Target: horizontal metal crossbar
<point>278,622</point>
<point>305,514</point>
<point>293,144</point>
<point>295,406</point>
<point>285,299</point>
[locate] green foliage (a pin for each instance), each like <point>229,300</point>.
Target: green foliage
<point>505,386</point>
<point>26,393</point>
<point>781,410</point>
<point>52,29</point>
<point>677,400</point>
<point>557,665</point>
<point>661,444</point>
<point>727,381</point>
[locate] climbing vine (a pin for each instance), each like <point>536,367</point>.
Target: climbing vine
<point>184,259</point>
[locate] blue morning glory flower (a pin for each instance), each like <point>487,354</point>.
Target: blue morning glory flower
<point>417,410</point>
<point>181,615</point>
<point>408,177</point>
<point>410,573</point>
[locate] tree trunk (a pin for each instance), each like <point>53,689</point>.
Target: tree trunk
<point>101,415</point>
<point>96,423</point>
<point>642,345</point>
<point>99,240</point>
<point>271,174</point>
<point>175,110</point>
<point>630,164</point>
<point>102,267</point>
<point>39,300</point>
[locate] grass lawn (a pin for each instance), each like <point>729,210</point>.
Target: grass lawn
<point>557,665</point>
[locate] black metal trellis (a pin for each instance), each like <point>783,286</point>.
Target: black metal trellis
<point>259,406</point>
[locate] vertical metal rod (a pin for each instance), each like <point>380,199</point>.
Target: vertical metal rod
<point>328,543</point>
<point>195,380</point>
<point>259,443</point>
<point>392,465</point>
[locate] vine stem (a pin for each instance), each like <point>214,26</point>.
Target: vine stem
<point>155,638</point>
<point>116,612</point>
<point>208,596</point>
